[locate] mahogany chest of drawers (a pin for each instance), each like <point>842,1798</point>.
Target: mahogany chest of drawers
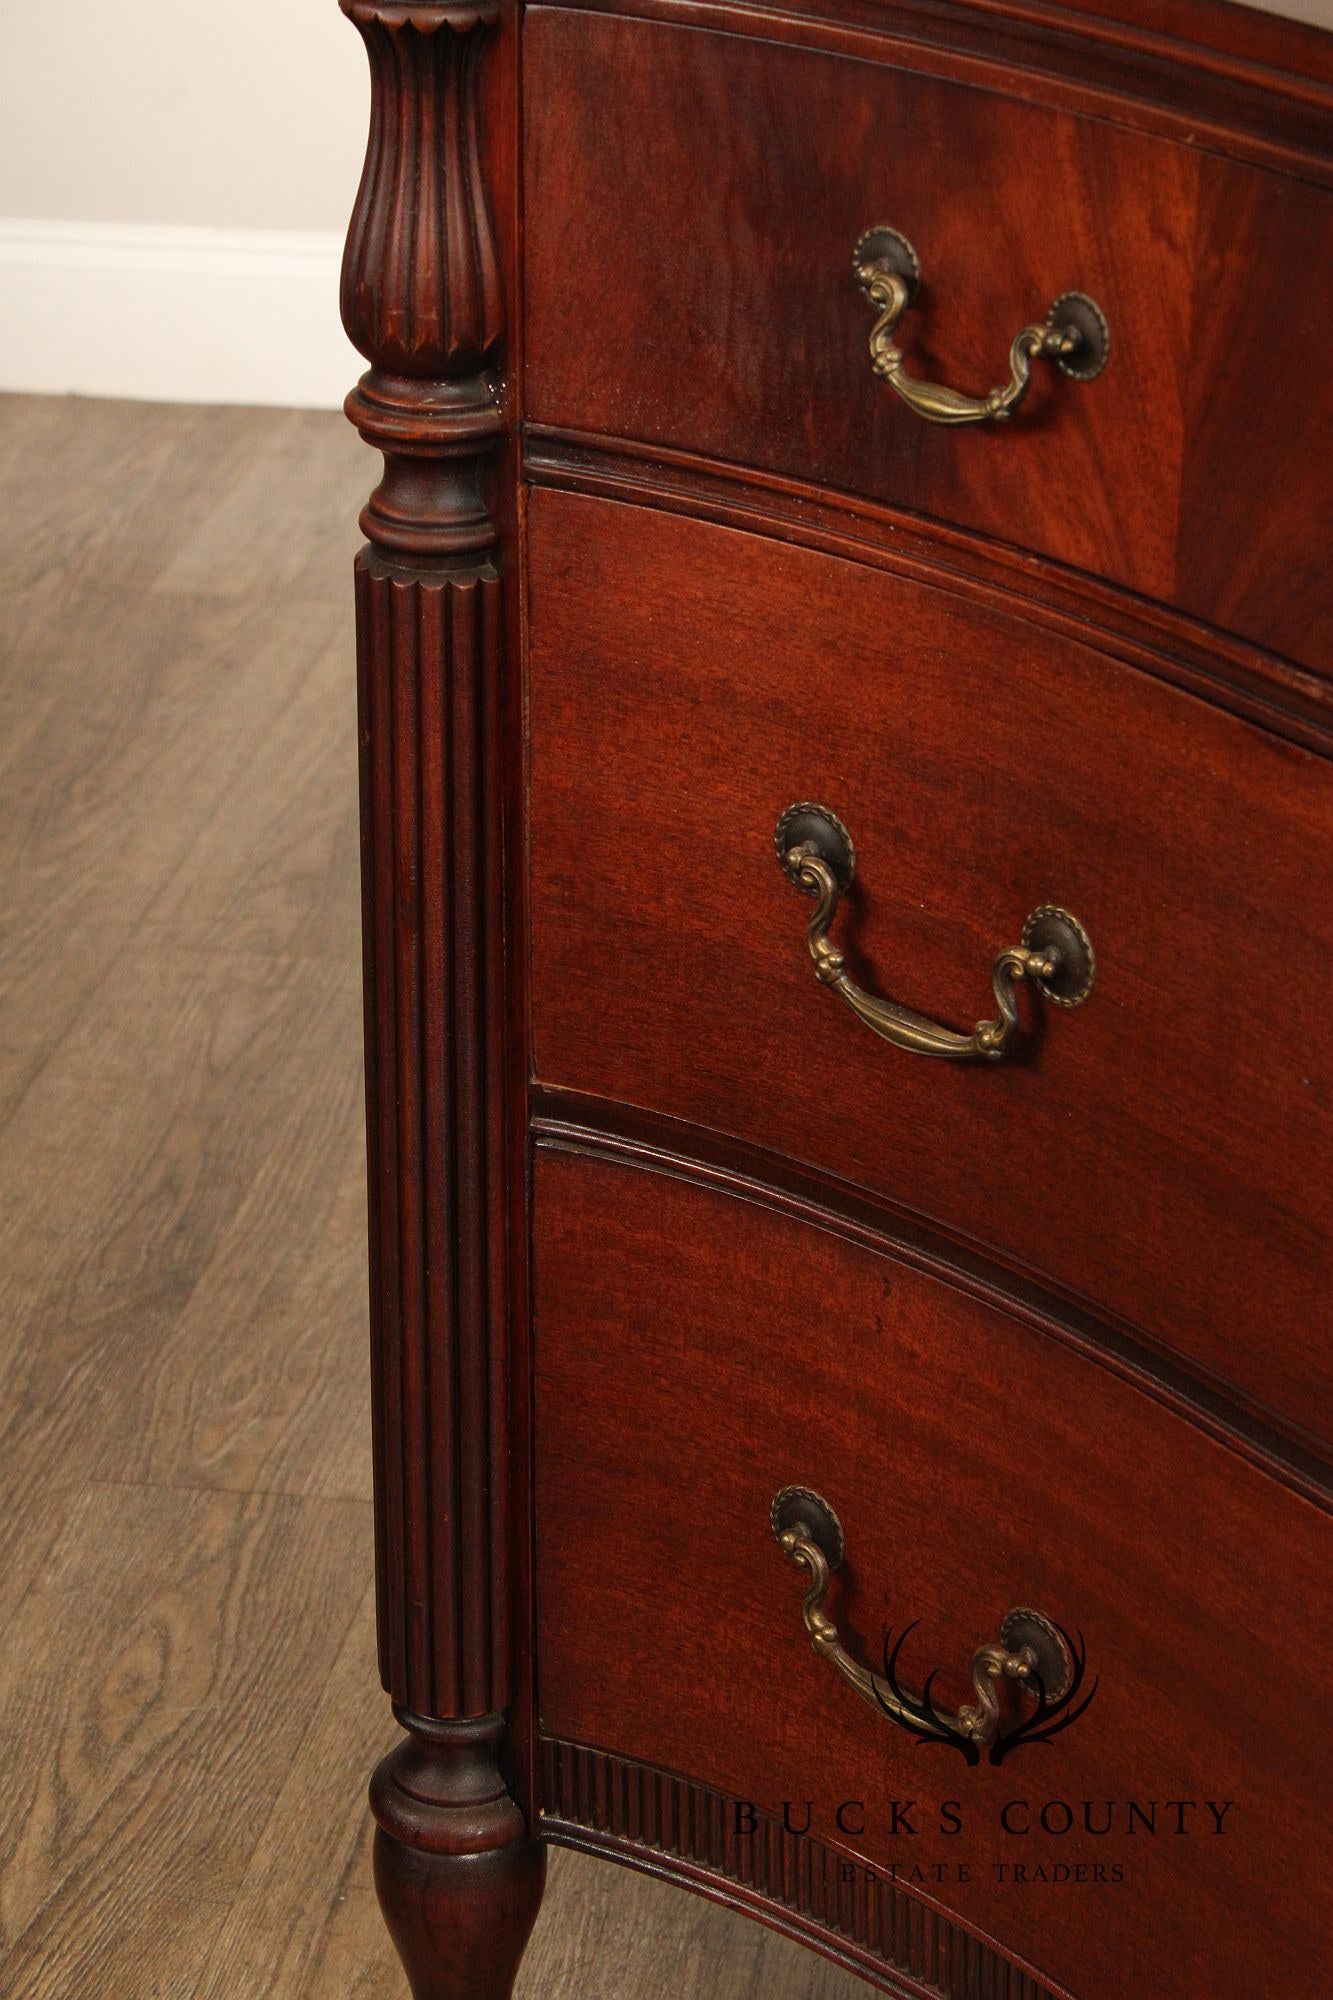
<point>851,559</point>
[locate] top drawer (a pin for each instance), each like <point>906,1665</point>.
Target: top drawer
<point>693,200</point>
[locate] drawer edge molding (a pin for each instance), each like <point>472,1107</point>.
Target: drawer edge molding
<point>573,1122</point>
<point>679,1830</point>
<point>1270,111</point>
<point>1216,666</point>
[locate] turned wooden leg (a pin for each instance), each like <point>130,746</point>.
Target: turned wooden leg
<point>459,1880</point>
<point>440,736</point>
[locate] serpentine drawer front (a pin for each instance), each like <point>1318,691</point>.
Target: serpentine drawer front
<point>743,335</point>
<point>730,1354</point>
<point>983,765</point>
<point>846,727</point>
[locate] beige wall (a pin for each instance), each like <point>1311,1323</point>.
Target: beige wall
<point>243,114</point>
<point>175,180</point>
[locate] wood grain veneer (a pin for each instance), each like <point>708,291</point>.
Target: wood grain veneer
<point>983,768</point>
<point>743,335</point>
<point>974,1464</point>
<point>654,555</point>
<point>1282,697</point>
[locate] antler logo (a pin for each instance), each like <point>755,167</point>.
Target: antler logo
<point>1032,1651</point>
<point>980,1726</point>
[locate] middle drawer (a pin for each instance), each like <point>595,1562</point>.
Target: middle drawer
<point>688,683</point>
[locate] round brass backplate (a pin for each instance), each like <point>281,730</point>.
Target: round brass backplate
<point>1051,929</point>
<point>797,1510</point>
<point>882,245</point>
<point>1076,309</point>
<point>817,827</point>
<point>1055,1665</point>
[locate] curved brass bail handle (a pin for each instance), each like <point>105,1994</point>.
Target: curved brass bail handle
<point>1030,1650</point>
<point>1056,954</point>
<point>1074,335</point>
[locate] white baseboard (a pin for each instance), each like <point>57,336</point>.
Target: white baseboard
<point>173,315</point>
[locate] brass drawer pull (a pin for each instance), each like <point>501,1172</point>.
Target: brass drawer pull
<point>1074,335</point>
<point>816,853</point>
<point>1031,1650</point>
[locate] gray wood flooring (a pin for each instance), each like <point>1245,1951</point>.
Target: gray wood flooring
<point>184,1436</point>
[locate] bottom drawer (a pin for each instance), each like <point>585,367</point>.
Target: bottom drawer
<point>694,1353</point>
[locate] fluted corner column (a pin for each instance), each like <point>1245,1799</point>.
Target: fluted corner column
<point>458,1877</point>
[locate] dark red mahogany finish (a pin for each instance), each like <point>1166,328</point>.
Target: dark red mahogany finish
<point>974,1465</point>
<point>458,1873</point>
<point>983,767</point>
<point>458,1878</point>
<point>713,254</point>
<point>1055,1330</point>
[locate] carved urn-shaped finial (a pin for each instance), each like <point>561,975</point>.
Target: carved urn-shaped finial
<point>421,282</point>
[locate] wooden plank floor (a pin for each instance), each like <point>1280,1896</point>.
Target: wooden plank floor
<point>184,1462</point>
